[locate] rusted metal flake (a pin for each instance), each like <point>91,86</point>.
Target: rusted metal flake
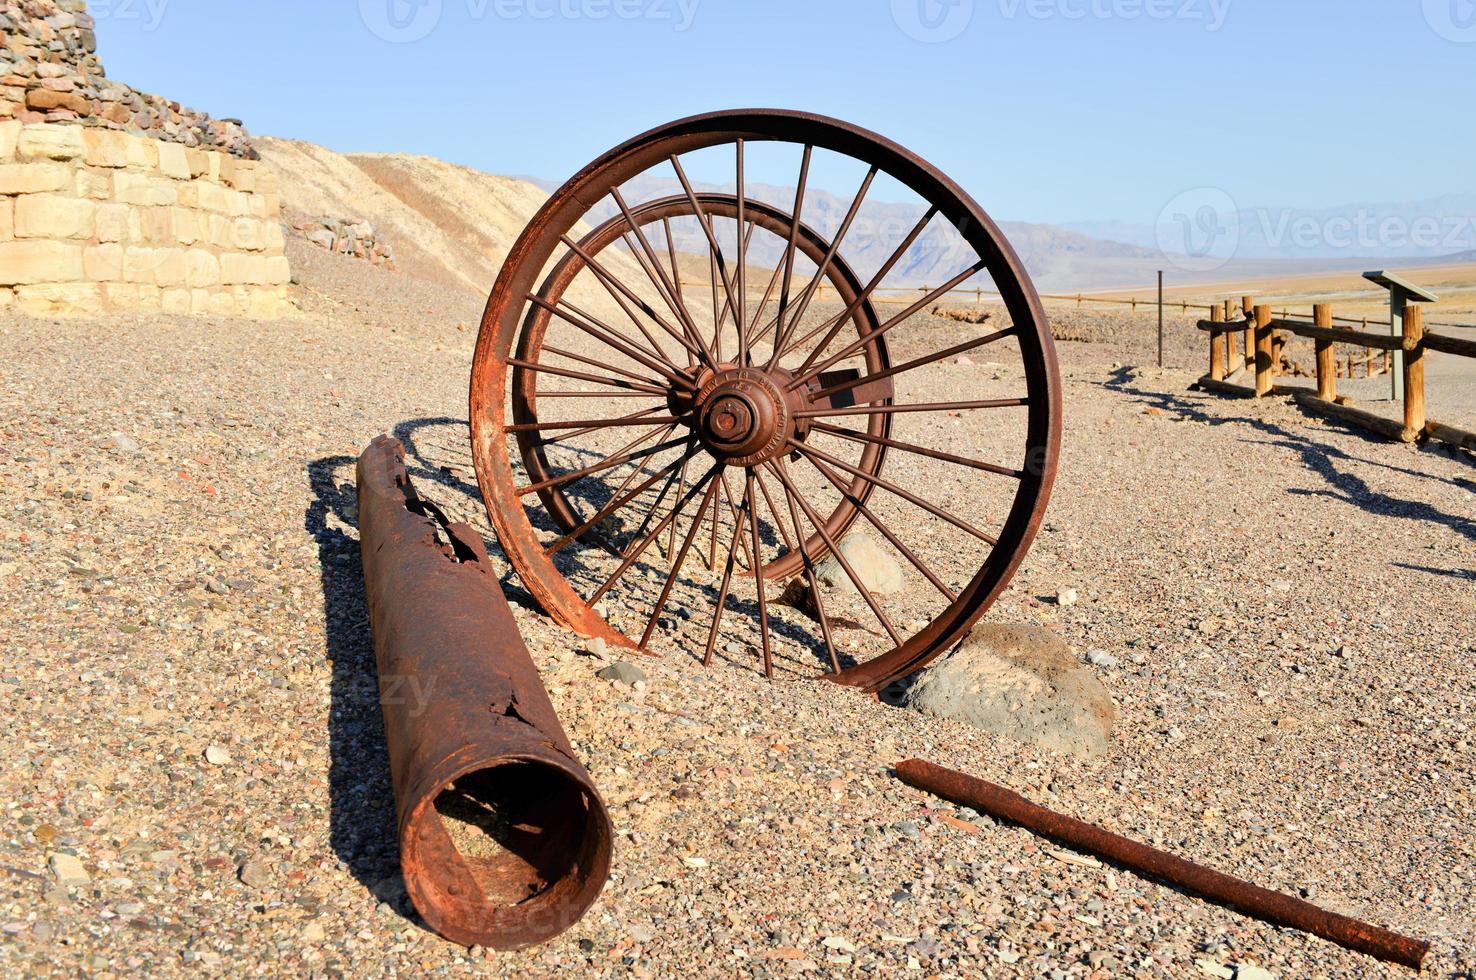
<point>504,840</point>
<point>1260,903</point>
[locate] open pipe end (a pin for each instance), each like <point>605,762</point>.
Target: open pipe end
<point>508,853</point>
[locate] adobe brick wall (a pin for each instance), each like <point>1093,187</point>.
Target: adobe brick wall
<point>93,220</point>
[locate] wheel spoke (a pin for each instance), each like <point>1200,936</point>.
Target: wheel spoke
<point>887,533</point>
<point>561,372</point>
<point>617,288</point>
<point>891,487</point>
<point>811,578</point>
<point>681,489</point>
<point>680,559</point>
<point>594,423</point>
<point>727,309</point>
<point>655,533</point>
<point>781,337</point>
<point>813,413</point>
<point>712,538</point>
<point>616,502</point>
<point>740,312</point>
<point>583,359</point>
<point>645,413</point>
<point>733,509</point>
<point>653,510</point>
<point>712,242</point>
<point>664,286</point>
<point>908,447</point>
<point>717,613</point>
<point>916,362</point>
<point>756,561</point>
<point>837,323</point>
<point>819,525</point>
<point>806,373</point>
<point>666,370</point>
<point>622,455</point>
<point>789,249</point>
<point>718,312</point>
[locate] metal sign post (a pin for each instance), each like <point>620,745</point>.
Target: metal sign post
<point>1401,293</point>
<point>1160,318</point>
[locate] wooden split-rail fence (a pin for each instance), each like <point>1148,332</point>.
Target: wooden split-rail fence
<point>1253,343</point>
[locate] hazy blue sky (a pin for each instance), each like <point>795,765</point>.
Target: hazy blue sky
<point>1046,110</point>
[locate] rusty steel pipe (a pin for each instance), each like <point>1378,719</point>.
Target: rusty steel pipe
<point>1253,900</point>
<point>504,840</point>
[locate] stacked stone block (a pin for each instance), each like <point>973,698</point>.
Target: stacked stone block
<point>93,220</point>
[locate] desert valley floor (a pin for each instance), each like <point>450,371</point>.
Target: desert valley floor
<point>1285,606</point>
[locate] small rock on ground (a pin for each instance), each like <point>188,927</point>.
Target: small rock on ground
<point>623,673</point>
<point>1022,682</point>
<point>873,565</point>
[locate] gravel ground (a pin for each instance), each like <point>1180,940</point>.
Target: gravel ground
<point>1284,608</point>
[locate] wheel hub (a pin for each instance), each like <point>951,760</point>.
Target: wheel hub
<point>743,416</point>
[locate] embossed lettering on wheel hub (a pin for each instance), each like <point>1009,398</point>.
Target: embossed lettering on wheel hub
<point>743,416</point>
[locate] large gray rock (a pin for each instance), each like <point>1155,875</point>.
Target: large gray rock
<point>872,563</point>
<point>1022,682</point>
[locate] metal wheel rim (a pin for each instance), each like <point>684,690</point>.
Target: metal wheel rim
<point>504,313</point>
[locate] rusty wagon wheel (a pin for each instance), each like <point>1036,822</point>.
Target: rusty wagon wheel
<point>528,367</point>
<point>708,383</point>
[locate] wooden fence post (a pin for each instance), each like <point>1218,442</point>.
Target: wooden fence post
<point>1327,373</point>
<point>1248,307</point>
<point>1263,350</point>
<point>1217,349</point>
<point>1414,371</point>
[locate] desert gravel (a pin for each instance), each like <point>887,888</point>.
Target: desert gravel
<point>194,779</point>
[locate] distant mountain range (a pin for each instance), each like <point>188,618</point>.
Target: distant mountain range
<point>1095,255</point>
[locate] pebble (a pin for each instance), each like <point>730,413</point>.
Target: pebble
<point>69,870</point>
<point>623,673</point>
<point>255,874</point>
<point>217,755</point>
<point>120,443</point>
<point>1101,658</point>
<point>1247,972</point>
<point>1067,597</point>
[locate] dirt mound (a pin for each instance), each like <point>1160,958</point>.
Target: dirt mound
<point>448,224</point>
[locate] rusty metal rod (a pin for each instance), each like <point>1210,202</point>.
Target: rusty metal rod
<point>1260,903</point>
<point>504,840</point>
